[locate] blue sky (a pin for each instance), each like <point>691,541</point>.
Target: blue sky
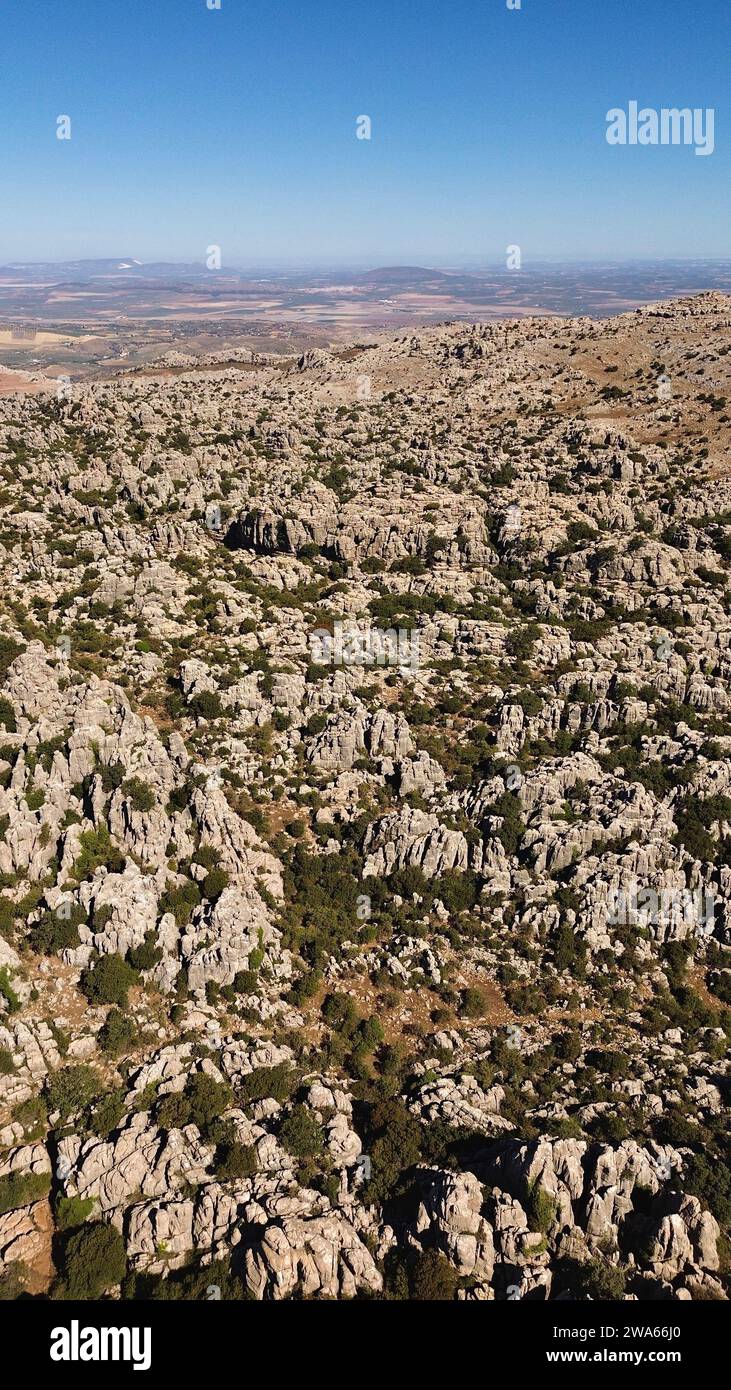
<point>236,127</point>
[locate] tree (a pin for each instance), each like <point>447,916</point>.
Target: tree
<point>200,1103</point>
<point>245,982</point>
<point>96,849</point>
<point>301,1134</point>
<point>570,952</point>
<point>609,1128</point>
<point>70,1089</point>
<point>7,715</point>
<point>117,1033</point>
<point>181,900</point>
<point>568,1046</point>
<point>108,1112</point>
<point>139,793</point>
<point>512,829</point>
<point>54,934</point>
<point>94,1260</point>
<point>9,649</point>
<point>108,981</point>
<point>14,1278</point>
<point>277,1083</point>
<point>580,530</point>
<point>521,641</point>
<point>7,992</point>
<point>458,889</point>
<point>236,1161</point>
<point>710,1180</point>
<point>341,1013</point>
<point>394,1142</point>
<point>432,1278</point>
<point>206,705</point>
<point>214,883</point>
<point>602,1281</point>
<point>192,1285</point>
<point>371,1033</point>
<point>146,956</point>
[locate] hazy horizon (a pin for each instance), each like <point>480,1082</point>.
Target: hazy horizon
<point>383,261</point>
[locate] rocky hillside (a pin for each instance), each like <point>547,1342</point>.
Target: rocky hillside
<point>365,820</point>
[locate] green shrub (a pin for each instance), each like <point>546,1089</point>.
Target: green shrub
<point>474,1003</point>
<point>710,1180</point>
<point>341,1013</point>
<point>93,1261</point>
<point>181,900</point>
<point>73,1211</point>
<point>139,793</point>
<point>206,705</point>
<point>9,649</point>
<point>541,1209</point>
<point>235,1160</point>
<point>191,1285</point>
<point>20,1189</point>
<point>14,1280</point>
<point>245,982</point>
<point>108,1112</point>
<point>117,1033</point>
<point>512,830</point>
<point>200,1103</point>
<point>112,775</point>
<point>609,1128</point>
<point>7,991</point>
<point>97,851</point>
<point>70,1089</point>
<point>458,889</point>
<point>613,1064</point>
<point>214,883</point>
<point>7,716</point>
<point>432,1278</point>
<point>207,856</point>
<point>108,981</point>
<point>322,893</point>
<point>394,1142</point>
<point>601,1281</point>
<point>54,933</point>
<point>7,916</point>
<point>277,1082</point>
<point>370,1033</point>
<point>520,642</point>
<point>256,957</point>
<point>301,1133</point>
<point>580,530</point>
<point>146,956</point>
<point>33,1116</point>
<point>570,952</point>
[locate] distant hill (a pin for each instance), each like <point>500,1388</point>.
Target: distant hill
<point>400,275</point>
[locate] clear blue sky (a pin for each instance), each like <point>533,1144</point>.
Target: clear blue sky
<point>193,126</point>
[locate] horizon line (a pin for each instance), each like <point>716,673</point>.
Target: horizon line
<point>385,262</point>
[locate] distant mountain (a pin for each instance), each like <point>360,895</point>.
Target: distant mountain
<point>400,275</point>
